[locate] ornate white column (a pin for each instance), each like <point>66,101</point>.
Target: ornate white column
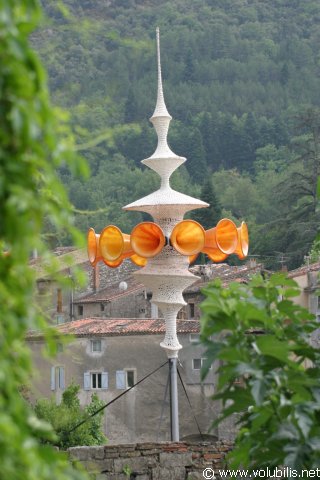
<point>167,274</point>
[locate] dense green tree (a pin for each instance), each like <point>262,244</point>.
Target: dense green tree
<point>208,217</point>
<point>196,164</point>
<point>33,143</point>
<point>68,414</point>
<point>268,372</point>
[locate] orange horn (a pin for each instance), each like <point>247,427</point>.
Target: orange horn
<point>188,237</point>
<point>94,253</point>
<point>114,264</point>
<point>243,241</point>
<point>193,258</point>
<point>147,239</point>
<point>221,240</point>
<point>137,260</point>
<point>114,245</point>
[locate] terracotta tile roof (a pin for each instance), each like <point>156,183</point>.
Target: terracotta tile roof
<point>66,257</point>
<point>224,272</point>
<point>119,326</point>
<point>314,267</point>
<point>111,293</point>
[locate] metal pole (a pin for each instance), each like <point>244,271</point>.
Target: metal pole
<point>174,411</point>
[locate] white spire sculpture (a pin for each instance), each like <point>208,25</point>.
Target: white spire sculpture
<point>167,274</point>
<point>164,247</point>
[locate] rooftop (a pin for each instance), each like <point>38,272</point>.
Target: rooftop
<point>118,327</point>
<point>224,272</point>
<point>112,292</point>
<point>314,267</point>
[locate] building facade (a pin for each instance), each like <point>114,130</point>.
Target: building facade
<point>108,357</point>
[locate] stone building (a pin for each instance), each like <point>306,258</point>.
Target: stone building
<point>130,299</point>
<point>109,356</point>
<point>307,277</point>
<point>60,303</point>
<point>115,293</point>
<point>207,273</point>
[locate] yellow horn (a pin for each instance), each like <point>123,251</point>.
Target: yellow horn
<point>137,260</point>
<point>114,264</point>
<point>114,244</point>
<point>193,258</point>
<point>188,237</point>
<point>94,253</point>
<point>221,240</point>
<point>243,241</point>
<point>147,239</point>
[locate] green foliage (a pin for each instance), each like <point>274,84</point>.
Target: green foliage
<point>33,144</point>
<point>235,77</point>
<point>258,334</point>
<point>208,217</point>
<point>68,414</point>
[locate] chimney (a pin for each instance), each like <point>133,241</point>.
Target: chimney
<point>96,278</point>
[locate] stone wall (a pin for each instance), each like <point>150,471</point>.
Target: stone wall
<point>152,461</point>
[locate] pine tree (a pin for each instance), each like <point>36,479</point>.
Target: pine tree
<point>208,217</point>
<point>196,164</point>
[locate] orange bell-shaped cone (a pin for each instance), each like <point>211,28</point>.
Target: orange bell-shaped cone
<point>216,255</point>
<point>114,244</point>
<point>147,239</point>
<point>137,260</point>
<point>93,249</point>
<point>115,263</point>
<point>188,237</point>
<point>221,240</point>
<point>193,258</point>
<point>243,241</point>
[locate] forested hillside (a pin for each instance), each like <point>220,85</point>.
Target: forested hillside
<point>241,80</point>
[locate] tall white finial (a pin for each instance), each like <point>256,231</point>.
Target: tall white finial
<point>164,161</point>
<point>161,109</point>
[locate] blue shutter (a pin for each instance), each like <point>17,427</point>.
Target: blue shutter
<point>104,380</point>
<point>61,378</point>
<point>53,378</point>
<point>121,380</point>
<point>87,381</point>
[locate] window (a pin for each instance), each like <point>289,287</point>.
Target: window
<point>43,287</point>
<point>95,345</point>
<point>59,300</point>
<point>318,303</point>
<point>102,307</point>
<point>95,380</point>
<point>59,319</point>
<point>194,337</point>
<point>154,310</point>
<point>130,378</point>
<point>57,378</point>
<point>181,314</point>
<point>197,363</point>
<point>126,378</point>
<point>59,347</point>
<point>80,309</point>
<point>191,310</point>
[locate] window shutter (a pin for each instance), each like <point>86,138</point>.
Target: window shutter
<point>53,378</point>
<point>61,378</point>
<point>87,381</point>
<point>154,310</point>
<point>104,380</point>
<point>121,380</point>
